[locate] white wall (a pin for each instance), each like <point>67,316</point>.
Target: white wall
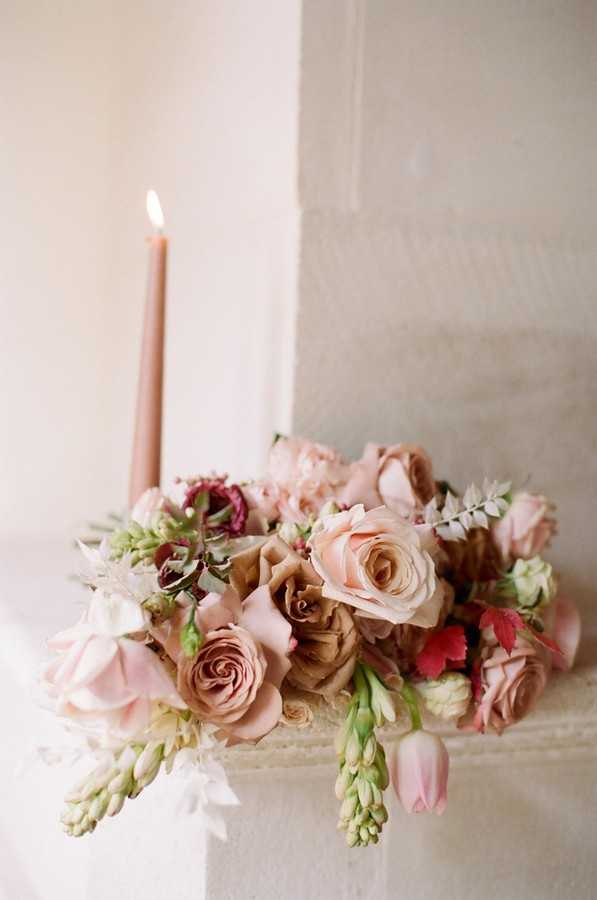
<point>99,102</point>
<point>57,310</point>
<point>448,280</point>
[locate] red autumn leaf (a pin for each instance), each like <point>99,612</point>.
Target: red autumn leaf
<point>547,642</point>
<point>444,645</point>
<point>505,623</point>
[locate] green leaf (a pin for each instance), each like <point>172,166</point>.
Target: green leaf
<point>191,638</point>
<point>209,582</point>
<point>218,518</point>
<point>201,502</point>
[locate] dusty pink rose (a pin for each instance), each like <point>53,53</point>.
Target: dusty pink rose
<point>262,500</point>
<point>527,527</point>
<point>419,768</point>
<point>562,621</point>
<point>103,680</point>
<point>377,562</point>
<point>234,679</point>
<point>511,683</point>
<point>305,475</point>
<point>399,477</point>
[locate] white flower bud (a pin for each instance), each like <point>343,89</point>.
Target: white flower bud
<point>533,581</point>
<point>369,750</point>
<point>147,759</point>
<point>365,793</point>
<point>115,804</point>
<point>329,508</point>
<point>120,783</point>
<point>343,782</point>
<point>98,805</point>
<point>353,749</point>
<point>352,838</point>
<point>349,805</point>
<point>289,532</point>
<point>448,696</point>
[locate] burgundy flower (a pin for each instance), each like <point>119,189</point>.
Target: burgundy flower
<point>220,497</point>
<point>169,560</point>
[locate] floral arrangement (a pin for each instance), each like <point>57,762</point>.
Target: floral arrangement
<point>225,611</point>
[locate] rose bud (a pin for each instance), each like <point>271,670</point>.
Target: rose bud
<point>447,697</point>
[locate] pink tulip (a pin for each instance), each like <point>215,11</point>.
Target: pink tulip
<point>419,770</point>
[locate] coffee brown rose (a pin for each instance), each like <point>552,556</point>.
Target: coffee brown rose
<point>220,684</point>
<point>327,639</point>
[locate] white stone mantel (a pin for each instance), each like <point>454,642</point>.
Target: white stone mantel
<point>534,787</point>
<point>562,727</point>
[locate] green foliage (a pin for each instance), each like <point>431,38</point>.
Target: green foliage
<point>142,543</point>
<point>191,639</point>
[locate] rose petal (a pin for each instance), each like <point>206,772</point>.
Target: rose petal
<point>262,717</point>
<point>268,626</point>
<point>566,632</point>
<point>115,614</point>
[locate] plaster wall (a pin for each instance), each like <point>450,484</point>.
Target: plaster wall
<point>448,273</point>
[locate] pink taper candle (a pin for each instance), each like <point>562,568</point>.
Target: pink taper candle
<point>146,460</point>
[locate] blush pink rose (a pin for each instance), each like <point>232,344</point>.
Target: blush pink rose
<point>562,621</point>
<point>526,529</point>
<point>419,768</point>
<point>235,677</point>
<point>262,500</point>
<point>399,477</point>
<point>103,680</point>
<point>377,562</point>
<point>511,684</point>
<point>304,475</point>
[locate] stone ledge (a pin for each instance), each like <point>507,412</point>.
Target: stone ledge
<point>564,726</point>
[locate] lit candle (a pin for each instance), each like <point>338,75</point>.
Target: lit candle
<point>146,459</point>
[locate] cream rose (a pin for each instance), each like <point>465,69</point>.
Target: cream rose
<point>375,561</point>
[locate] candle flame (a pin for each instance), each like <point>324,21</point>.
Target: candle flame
<point>154,210</point>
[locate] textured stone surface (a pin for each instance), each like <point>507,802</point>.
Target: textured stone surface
<point>449,256</point>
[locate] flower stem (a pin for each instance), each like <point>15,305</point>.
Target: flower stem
<point>361,685</point>
<point>409,696</point>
